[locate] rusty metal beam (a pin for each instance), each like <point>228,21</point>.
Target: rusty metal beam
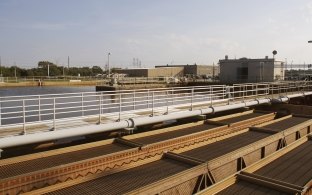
<point>269,184</point>
<point>128,143</point>
<point>272,180</point>
<point>302,116</point>
<point>183,158</point>
<point>262,129</point>
<point>212,122</point>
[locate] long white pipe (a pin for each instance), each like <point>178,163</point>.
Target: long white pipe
<point>133,122</point>
<point>61,134</point>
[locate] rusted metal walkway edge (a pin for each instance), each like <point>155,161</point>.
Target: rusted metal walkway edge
<point>213,171</point>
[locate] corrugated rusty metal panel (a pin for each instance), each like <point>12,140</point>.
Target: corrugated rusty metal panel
<point>185,188</point>
<point>303,131</point>
<point>290,138</point>
<point>294,167</point>
<point>224,171</point>
<point>270,148</point>
<point>245,187</point>
<point>128,180</point>
<point>287,123</point>
<point>19,168</point>
<point>252,157</point>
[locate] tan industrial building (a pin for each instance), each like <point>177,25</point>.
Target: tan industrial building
<point>152,72</point>
<point>172,71</point>
<point>251,70</point>
<point>196,70</point>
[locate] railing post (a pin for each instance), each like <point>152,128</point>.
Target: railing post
<point>241,94</point>
<point>228,91</point>
<point>0,110</point>
<point>119,107</point>
<point>148,98</point>
<point>244,91</point>
<point>39,107</point>
<point>211,96</point>
<point>82,105</point>
<point>24,118</point>
<point>167,92</point>
<point>100,107</point>
<point>172,96</point>
<point>153,103</point>
<point>54,126</point>
<point>134,100</point>
<point>267,91</point>
<point>192,94</point>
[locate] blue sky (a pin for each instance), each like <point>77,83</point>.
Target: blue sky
<point>156,32</point>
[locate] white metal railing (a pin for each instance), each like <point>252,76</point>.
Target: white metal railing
<point>117,105</point>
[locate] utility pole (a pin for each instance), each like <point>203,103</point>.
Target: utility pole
<point>68,62</point>
<point>0,67</point>
<point>48,69</point>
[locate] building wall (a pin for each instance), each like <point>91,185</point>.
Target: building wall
<point>228,71</point>
<point>250,70</point>
<point>196,69</point>
<point>171,71</point>
<point>166,72</point>
<point>260,71</point>
<point>279,71</point>
<point>137,72</point>
<point>152,72</point>
<point>208,70</point>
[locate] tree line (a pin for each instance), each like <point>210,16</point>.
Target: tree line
<point>46,68</point>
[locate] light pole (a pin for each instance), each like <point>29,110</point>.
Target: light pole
<point>0,68</point>
<point>48,70</point>
<point>308,65</point>
<point>108,64</point>
<point>285,68</point>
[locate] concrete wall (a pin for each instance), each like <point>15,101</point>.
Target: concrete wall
<point>228,71</point>
<point>196,69</point>
<point>152,72</point>
<point>201,70</point>
<point>166,72</point>
<point>171,71</point>
<point>257,70</point>
<point>279,71</point>
<point>137,72</point>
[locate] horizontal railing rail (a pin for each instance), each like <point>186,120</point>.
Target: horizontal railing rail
<point>48,109</point>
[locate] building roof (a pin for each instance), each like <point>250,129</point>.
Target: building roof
<point>250,59</point>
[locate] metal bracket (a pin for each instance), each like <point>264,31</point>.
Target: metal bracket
<point>201,117</point>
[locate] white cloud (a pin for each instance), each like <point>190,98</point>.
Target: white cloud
<point>307,13</point>
<point>53,26</point>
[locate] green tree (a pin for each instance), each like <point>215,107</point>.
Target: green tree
<point>96,70</point>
